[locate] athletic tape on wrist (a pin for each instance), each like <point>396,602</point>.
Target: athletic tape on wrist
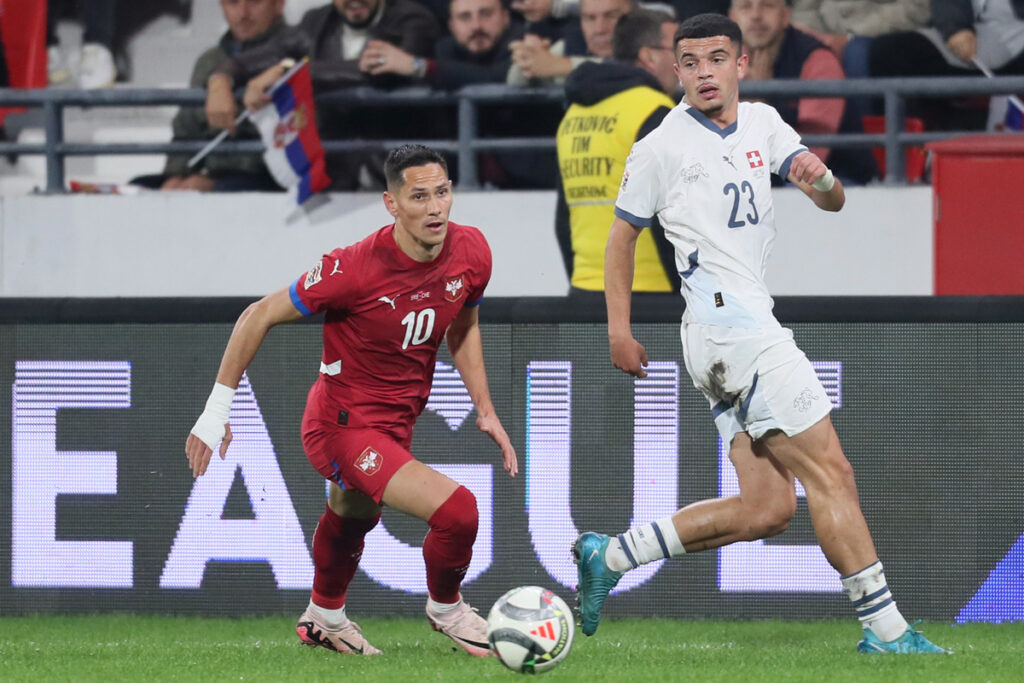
<point>825,182</point>
<point>210,425</point>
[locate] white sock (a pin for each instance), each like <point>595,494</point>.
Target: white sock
<point>331,618</point>
<point>442,607</point>
<point>875,607</point>
<point>643,544</point>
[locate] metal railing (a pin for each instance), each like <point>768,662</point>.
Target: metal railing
<point>467,100</point>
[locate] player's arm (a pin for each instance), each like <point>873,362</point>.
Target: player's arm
<point>811,175</point>
<point>627,353</point>
<point>246,338</point>
<point>466,347</point>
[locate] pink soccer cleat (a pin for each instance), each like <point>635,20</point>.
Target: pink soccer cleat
<point>348,639</point>
<point>464,626</point>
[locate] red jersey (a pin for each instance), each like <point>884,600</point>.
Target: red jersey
<point>386,315</point>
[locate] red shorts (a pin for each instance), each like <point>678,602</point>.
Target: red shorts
<point>356,459</point>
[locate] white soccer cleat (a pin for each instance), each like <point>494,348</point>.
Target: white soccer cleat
<point>464,626</point>
<point>348,639</point>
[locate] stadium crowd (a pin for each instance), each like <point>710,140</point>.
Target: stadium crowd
<point>447,44</point>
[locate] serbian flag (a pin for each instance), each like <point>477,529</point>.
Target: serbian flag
<point>294,155</point>
<point>23,27</point>
<point>1014,114</point>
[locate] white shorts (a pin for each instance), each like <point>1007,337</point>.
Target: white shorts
<point>756,380</point>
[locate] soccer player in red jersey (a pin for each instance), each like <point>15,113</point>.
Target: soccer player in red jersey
<point>389,301</point>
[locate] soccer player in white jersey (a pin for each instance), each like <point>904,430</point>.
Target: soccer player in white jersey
<point>704,173</point>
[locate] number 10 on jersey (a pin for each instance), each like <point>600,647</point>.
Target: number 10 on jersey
<point>419,325</point>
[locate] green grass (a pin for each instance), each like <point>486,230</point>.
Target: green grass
<point>140,648</point>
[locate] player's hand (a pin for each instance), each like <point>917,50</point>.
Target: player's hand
<point>964,44</point>
<point>629,355</point>
<point>221,110</point>
<point>256,96</point>
<point>807,168</point>
<point>491,426</point>
<point>198,452</point>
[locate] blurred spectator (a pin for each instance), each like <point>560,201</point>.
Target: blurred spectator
<point>95,62</point>
<point>848,26</point>
<point>251,24</point>
<point>991,30</point>
<point>476,51</point>
<point>548,19</point>
<point>691,8</point>
<point>779,51</point>
<point>627,97</point>
<point>537,61</point>
<point>336,37</point>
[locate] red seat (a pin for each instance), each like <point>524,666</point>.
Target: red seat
<point>915,156</point>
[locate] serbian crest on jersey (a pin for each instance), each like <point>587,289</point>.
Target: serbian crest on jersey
<point>289,127</point>
<point>454,288</point>
<point>755,159</point>
<point>369,462</point>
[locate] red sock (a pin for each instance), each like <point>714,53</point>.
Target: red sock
<point>448,547</point>
<point>337,547</point>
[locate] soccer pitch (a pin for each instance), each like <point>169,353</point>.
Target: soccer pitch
<point>128,647</point>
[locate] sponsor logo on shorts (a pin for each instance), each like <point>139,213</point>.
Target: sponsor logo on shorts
<point>369,462</point>
<point>804,400</point>
<point>454,288</point>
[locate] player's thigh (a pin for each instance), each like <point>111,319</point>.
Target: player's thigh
<point>814,455</point>
<point>418,490</point>
<point>764,481</point>
<point>358,460</point>
<point>351,504</point>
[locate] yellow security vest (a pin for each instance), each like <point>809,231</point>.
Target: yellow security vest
<point>593,142</point>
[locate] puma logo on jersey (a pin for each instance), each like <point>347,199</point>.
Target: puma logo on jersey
<point>390,302</point>
<point>337,262</point>
<point>728,161</point>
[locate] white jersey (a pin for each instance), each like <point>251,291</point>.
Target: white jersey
<point>711,191</point>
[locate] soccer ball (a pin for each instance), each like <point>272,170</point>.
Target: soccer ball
<point>530,629</point>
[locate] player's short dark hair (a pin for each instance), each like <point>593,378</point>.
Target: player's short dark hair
<point>710,25</point>
<point>637,29</point>
<point>408,156</point>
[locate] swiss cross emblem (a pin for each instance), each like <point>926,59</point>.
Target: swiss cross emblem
<point>454,288</point>
<point>755,159</point>
<point>369,462</point>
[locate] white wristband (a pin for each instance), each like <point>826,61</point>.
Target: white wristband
<point>825,182</point>
<point>210,425</point>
